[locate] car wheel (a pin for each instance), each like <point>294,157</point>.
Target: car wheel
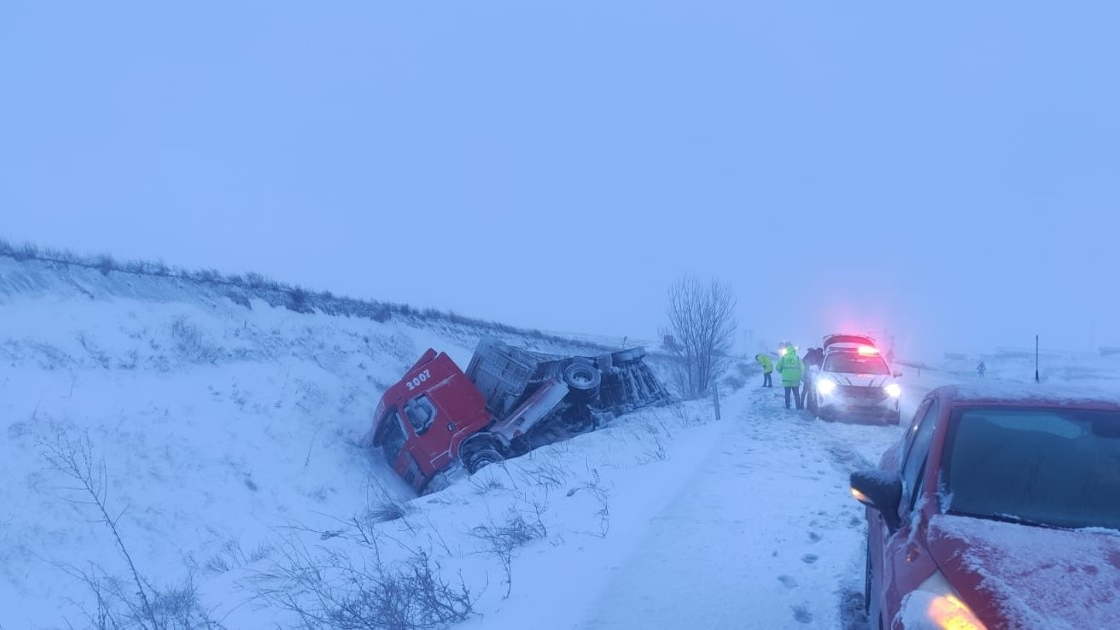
<point>479,459</point>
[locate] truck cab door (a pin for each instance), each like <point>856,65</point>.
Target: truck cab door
<point>394,440</point>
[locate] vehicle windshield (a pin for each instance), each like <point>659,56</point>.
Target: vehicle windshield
<point>1051,467</point>
<point>854,363</point>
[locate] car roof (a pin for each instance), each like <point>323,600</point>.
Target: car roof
<point>846,338</point>
<point>1024,394</point>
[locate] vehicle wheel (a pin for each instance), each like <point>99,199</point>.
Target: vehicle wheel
<point>583,378</point>
<point>625,356</point>
<point>478,459</point>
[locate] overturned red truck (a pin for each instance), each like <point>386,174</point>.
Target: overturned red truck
<point>438,421</point>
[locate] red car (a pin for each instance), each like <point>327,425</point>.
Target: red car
<point>999,508</point>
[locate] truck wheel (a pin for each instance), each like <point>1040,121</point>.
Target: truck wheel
<point>625,356</point>
<point>477,460</point>
<point>583,378</point>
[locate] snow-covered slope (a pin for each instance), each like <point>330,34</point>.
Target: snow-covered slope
<point>220,420</point>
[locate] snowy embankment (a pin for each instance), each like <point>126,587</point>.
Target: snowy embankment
<point>216,427</point>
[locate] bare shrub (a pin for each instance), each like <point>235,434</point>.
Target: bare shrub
<point>105,264</point>
<point>547,474</point>
<point>233,556</point>
<point>381,313</point>
<point>255,280</point>
<point>595,488</point>
<point>208,276</point>
<point>734,382</point>
<point>190,343</point>
<point>328,589</point>
<point>133,602</point>
<point>505,538</point>
<point>27,251</point>
<point>700,332</point>
<point>655,453</point>
<point>389,510</point>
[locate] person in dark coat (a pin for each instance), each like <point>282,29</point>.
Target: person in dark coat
<point>813,357</point>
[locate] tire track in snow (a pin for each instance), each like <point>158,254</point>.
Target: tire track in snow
<point>765,533</point>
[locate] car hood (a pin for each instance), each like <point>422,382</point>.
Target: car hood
<point>1024,576</point>
<point>860,380</point>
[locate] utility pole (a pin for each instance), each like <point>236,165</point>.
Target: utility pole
<point>1036,359</point>
<point>715,398</point>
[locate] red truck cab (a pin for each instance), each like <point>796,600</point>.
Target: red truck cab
<point>423,419</point>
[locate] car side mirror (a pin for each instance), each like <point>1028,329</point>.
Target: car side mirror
<point>880,491</point>
<point>897,374</point>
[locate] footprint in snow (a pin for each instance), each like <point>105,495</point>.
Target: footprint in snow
<point>809,558</point>
<point>787,581</point>
<point>802,614</point>
<point>814,537</point>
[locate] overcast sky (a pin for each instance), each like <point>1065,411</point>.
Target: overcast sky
<point>946,173</point>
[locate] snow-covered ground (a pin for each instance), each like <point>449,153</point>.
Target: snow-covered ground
<point>223,443</point>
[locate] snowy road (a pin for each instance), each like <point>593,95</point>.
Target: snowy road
<point>764,533</point>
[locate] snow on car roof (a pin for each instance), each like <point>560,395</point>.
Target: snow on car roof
<point>1008,391</point>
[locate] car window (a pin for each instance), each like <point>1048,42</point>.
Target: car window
<point>914,462</point>
<point>854,363</point>
<point>1058,467</point>
<point>420,412</point>
<point>390,435</point>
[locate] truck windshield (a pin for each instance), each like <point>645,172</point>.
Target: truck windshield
<point>852,363</point>
<point>1053,467</point>
<point>390,435</point>
<point>420,412</point>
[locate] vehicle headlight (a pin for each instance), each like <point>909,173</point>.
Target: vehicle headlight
<point>825,386</point>
<point>894,390</point>
<point>935,605</point>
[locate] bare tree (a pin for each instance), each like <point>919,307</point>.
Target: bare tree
<point>700,333</point>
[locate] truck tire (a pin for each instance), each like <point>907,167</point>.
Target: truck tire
<point>625,356</point>
<point>478,459</point>
<point>583,379</point>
